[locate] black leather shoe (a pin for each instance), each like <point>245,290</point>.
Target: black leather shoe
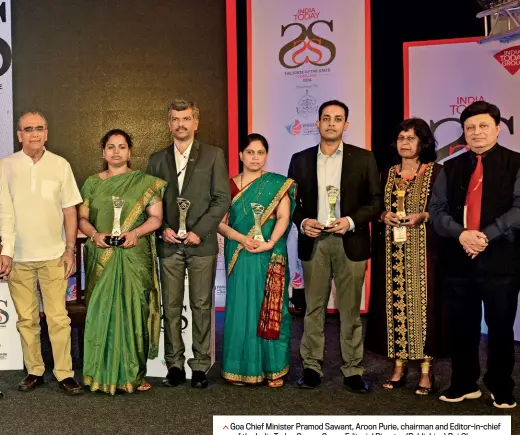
<point>30,382</point>
<point>199,380</point>
<point>71,387</point>
<point>1,394</point>
<point>356,384</point>
<point>310,379</point>
<point>175,377</point>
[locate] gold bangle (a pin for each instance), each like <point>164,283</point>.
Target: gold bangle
<point>92,236</point>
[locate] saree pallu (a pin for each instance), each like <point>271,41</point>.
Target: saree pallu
<point>257,323</point>
<point>122,291</point>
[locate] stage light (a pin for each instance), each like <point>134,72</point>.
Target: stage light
<point>501,20</point>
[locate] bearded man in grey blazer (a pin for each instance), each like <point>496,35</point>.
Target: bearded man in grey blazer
<point>195,172</point>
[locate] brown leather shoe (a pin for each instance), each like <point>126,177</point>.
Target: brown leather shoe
<point>30,382</point>
<point>71,387</point>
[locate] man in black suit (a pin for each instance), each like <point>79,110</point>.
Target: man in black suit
<point>197,173</point>
<point>475,206</point>
<point>336,249</point>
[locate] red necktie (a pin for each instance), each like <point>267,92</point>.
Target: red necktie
<point>474,197</point>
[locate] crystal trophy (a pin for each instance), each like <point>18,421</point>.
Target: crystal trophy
<point>115,238</point>
<point>332,195</point>
<point>184,205</point>
<point>258,210</point>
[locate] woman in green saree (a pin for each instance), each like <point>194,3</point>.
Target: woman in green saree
<point>123,315</point>
<point>257,324</point>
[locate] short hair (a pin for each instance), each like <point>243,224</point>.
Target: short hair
<point>333,103</point>
<point>426,144</point>
<point>31,112</point>
<point>251,138</point>
<point>179,104</point>
<point>480,108</point>
<point>116,132</point>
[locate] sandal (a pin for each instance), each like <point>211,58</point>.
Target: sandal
<point>400,366</point>
<point>145,386</point>
<point>275,383</point>
<point>426,369</point>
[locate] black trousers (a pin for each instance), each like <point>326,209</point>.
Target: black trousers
<point>465,297</point>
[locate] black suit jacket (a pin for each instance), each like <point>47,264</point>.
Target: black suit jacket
<point>205,185</point>
<point>360,197</point>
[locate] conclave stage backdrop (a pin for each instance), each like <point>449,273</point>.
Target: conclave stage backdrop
<point>6,81</point>
<point>10,345</point>
<point>300,54</point>
<point>443,77</point>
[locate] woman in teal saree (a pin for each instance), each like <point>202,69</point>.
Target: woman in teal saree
<point>257,324</point>
<point>122,292</point>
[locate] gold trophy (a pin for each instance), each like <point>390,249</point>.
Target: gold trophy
<point>400,231</point>
<point>258,210</point>
<point>333,195</point>
<point>184,205</point>
<point>114,239</point>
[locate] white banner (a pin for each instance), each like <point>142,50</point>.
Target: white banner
<point>443,77</point>
<point>11,357</point>
<point>6,81</point>
<point>303,53</point>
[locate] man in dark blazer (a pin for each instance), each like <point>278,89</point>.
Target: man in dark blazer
<point>475,206</point>
<point>197,173</point>
<point>338,249</point>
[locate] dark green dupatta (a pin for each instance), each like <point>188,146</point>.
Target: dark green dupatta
<point>123,318</point>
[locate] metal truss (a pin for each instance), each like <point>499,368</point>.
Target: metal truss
<point>502,21</point>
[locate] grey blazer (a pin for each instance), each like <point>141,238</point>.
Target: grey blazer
<point>206,186</point>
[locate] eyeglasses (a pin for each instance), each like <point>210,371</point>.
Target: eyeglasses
<point>38,129</point>
<point>406,138</point>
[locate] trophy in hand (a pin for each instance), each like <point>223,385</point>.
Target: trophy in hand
<point>258,210</point>
<point>184,205</point>
<point>114,239</point>
<point>332,195</point>
<point>400,234</point>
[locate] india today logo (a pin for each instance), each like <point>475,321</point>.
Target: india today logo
<point>307,105</point>
<point>509,59</point>
<point>451,126</point>
<point>309,47</point>
<point>294,128</point>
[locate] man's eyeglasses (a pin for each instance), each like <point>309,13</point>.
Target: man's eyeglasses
<point>406,138</point>
<point>38,129</point>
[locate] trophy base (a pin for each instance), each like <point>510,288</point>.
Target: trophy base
<point>114,240</point>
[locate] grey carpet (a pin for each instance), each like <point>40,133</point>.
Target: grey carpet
<point>183,410</point>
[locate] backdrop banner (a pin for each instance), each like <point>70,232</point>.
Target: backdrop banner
<point>443,77</point>
<point>302,53</point>
<point>6,81</point>
<point>11,357</point>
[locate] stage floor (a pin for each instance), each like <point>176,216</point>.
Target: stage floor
<point>184,410</point>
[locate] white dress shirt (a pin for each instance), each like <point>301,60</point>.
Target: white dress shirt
<point>181,161</point>
<point>329,174</point>
<point>39,192</point>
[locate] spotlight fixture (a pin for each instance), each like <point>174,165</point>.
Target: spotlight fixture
<point>501,20</point>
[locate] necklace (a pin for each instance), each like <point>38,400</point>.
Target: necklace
<point>259,191</point>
